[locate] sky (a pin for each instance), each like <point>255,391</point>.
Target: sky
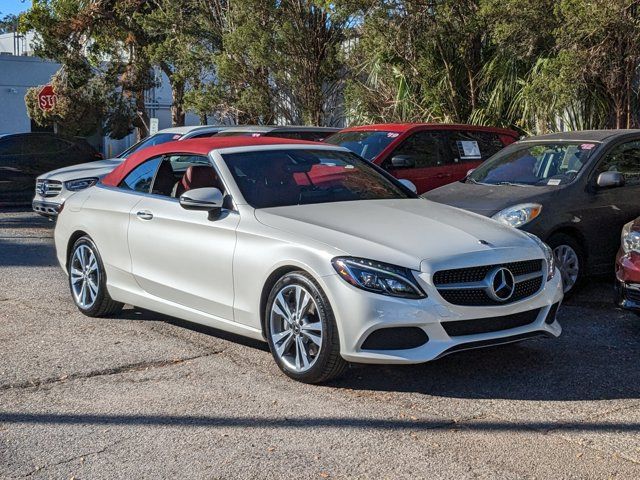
<point>13,6</point>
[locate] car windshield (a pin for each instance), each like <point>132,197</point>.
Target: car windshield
<point>367,144</point>
<point>534,164</point>
<point>157,139</point>
<point>276,178</point>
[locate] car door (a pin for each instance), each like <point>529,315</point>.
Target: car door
<point>431,164</point>
<point>470,148</point>
<point>183,256</point>
<point>17,182</point>
<point>608,209</point>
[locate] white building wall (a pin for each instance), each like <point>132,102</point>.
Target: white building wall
<point>17,75</point>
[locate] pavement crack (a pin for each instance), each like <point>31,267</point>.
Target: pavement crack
<point>72,459</point>
<point>127,368</point>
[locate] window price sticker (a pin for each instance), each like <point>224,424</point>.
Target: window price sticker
<point>469,150</point>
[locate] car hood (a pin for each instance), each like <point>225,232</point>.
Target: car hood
<point>488,199</point>
<point>402,232</point>
<point>99,168</point>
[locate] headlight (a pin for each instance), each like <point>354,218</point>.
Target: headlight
<point>630,239</point>
<point>518,215</point>
<point>378,277</point>
<point>80,184</point>
<point>548,255</point>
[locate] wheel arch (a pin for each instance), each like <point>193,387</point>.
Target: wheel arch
<point>271,280</point>
<point>73,238</point>
<point>574,233</point>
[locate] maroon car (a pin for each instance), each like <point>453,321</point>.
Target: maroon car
<point>428,154</point>
<point>628,267</point>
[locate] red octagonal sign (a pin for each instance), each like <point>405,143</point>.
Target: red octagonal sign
<point>46,98</point>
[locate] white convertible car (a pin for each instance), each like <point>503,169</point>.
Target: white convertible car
<point>304,245</point>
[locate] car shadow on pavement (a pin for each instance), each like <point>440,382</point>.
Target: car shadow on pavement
<point>594,359</point>
<point>147,315</point>
<point>34,252</point>
<point>290,422</point>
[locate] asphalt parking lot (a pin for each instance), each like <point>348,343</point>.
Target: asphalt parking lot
<point>143,395</point>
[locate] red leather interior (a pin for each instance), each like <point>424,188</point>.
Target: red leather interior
<point>198,176</point>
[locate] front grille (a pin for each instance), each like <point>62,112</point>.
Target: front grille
<point>487,325</point>
<point>48,188</point>
<point>477,274</point>
<point>471,286</point>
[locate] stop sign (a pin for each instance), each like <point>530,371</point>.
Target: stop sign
<point>46,98</point>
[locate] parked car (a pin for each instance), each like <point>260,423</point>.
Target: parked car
<point>54,187</point>
<point>24,156</point>
<point>307,246</point>
<point>574,190</point>
<point>628,267</point>
<point>430,155</point>
<point>294,132</point>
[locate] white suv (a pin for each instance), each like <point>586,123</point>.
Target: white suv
<point>54,187</point>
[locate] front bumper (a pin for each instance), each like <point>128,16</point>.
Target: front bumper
<point>362,313</point>
<point>46,209</point>
<point>628,296</point>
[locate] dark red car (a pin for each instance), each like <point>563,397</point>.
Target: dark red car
<point>628,267</point>
<point>428,154</point>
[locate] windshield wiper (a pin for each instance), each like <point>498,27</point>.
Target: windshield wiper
<point>513,184</point>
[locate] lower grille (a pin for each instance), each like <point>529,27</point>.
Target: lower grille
<point>494,342</point>
<point>551,316</point>
<point>632,294</point>
<point>488,325</point>
<point>395,338</point>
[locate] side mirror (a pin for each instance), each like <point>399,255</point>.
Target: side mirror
<point>409,184</point>
<point>610,180</point>
<point>402,161</point>
<point>206,199</point>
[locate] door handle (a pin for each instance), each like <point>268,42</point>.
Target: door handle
<point>144,215</point>
<point>443,175</point>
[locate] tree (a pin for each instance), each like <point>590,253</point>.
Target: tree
<point>309,38</point>
<point>98,39</point>
<point>9,23</point>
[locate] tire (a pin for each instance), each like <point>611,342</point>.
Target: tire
<point>88,280</point>
<point>564,247</point>
<point>303,327</point>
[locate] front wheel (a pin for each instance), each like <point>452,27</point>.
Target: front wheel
<point>88,280</point>
<point>301,330</point>
<point>569,260</point>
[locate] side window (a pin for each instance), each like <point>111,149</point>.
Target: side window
<point>426,149</point>
<point>625,159</point>
<point>474,146</point>
<point>10,146</point>
<point>180,173</point>
<point>141,177</point>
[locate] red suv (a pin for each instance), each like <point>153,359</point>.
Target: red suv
<point>428,154</point>
<point>628,267</point>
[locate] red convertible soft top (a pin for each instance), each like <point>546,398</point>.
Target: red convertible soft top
<point>200,146</point>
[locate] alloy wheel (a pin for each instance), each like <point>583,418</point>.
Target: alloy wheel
<point>85,276</point>
<point>568,263</point>
<point>296,328</point>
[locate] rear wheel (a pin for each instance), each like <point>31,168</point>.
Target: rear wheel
<point>88,280</point>
<point>301,330</point>
<point>570,260</point>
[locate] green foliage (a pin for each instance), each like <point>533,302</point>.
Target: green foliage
<point>533,65</point>
<point>80,104</point>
